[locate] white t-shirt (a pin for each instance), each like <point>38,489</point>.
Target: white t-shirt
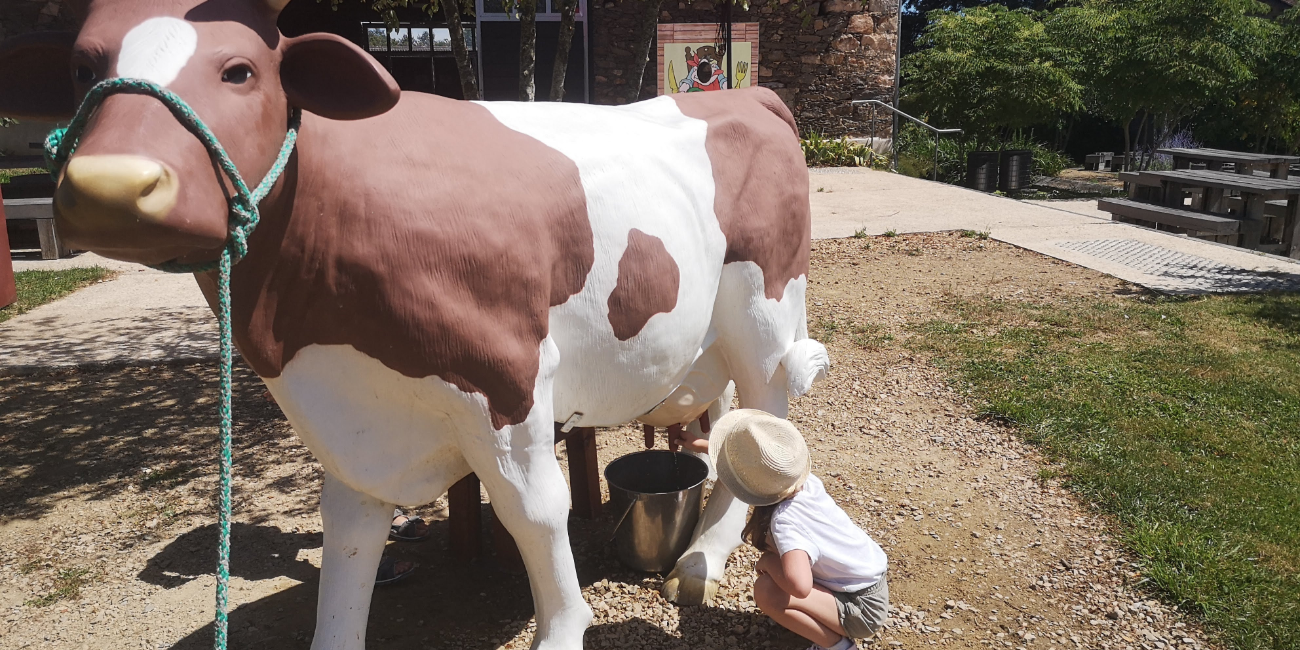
<point>844,558</point>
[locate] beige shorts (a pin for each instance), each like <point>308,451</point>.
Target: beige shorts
<point>863,613</point>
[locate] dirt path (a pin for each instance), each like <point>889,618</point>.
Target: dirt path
<point>107,536</point>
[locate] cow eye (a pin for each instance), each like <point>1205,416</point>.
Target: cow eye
<point>237,75</point>
<point>85,75</point>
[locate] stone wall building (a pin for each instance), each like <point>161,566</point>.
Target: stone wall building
<point>818,56</point>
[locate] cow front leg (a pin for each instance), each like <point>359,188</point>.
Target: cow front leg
<point>518,467</point>
<point>356,526</point>
<point>530,496</point>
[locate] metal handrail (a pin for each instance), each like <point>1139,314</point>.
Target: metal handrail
<point>873,103</point>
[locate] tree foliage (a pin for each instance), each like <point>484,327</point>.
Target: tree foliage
<point>1151,67</point>
<point>989,70</point>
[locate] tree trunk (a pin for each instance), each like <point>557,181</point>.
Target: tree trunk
<point>527,49</point>
<point>567,11</point>
<point>468,80</point>
<point>643,38</point>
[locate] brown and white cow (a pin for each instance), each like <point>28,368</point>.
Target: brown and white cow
<point>435,282</point>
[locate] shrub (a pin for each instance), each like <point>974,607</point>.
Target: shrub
<point>821,151</point>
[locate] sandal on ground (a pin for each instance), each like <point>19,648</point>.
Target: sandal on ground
<point>409,530</point>
<point>388,574</point>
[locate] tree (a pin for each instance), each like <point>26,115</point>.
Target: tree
<point>568,10</point>
<point>1160,61</point>
<point>527,11</point>
<point>991,71</point>
<point>468,80</point>
<point>1268,109</point>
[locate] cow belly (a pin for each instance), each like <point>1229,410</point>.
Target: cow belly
<point>379,432</point>
<point>648,183</point>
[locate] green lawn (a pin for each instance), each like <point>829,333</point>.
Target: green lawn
<point>6,174</point>
<point>36,288</point>
<point>1179,417</point>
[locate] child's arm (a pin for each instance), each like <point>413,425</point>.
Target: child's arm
<point>791,572</point>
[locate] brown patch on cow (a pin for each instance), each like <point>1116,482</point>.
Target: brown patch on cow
<point>431,238</point>
<point>648,279</point>
<point>761,180</point>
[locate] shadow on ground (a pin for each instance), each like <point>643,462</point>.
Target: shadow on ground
<point>95,434</point>
<point>447,603</point>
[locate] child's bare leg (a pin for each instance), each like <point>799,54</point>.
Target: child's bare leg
<point>815,617</point>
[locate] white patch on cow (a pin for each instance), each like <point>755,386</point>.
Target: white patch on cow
<point>157,50</point>
<point>642,166</point>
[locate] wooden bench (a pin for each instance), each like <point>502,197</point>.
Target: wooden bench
<point>40,210</point>
<point>1192,222</point>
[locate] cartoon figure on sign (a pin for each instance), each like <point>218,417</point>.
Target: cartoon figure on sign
<point>705,70</point>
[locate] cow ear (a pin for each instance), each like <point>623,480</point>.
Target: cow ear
<point>35,83</point>
<point>332,77</point>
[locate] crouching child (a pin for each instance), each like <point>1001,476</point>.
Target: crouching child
<point>820,576</point>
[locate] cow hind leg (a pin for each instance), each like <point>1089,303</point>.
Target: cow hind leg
<point>695,578</point>
<point>770,358</point>
<point>517,465</point>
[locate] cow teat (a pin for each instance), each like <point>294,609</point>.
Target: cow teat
<point>108,190</point>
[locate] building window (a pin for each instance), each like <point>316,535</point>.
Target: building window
<point>411,39</point>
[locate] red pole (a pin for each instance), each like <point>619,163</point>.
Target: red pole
<point>8,291</point>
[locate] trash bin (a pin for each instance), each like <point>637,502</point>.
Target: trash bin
<point>1013,173</point>
<point>982,170</point>
<point>8,291</point>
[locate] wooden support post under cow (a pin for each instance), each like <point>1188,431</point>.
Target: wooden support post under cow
<point>465,518</point>
<point>417,319</point>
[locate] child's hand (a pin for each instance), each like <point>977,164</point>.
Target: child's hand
<point>680,437</point>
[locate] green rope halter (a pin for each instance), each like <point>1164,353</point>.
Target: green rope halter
<point>243,218</point>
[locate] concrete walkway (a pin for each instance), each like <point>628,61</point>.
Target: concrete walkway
<point>146,316</point>
<point>846,201</point>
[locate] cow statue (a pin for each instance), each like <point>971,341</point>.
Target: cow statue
<point>435,282</point>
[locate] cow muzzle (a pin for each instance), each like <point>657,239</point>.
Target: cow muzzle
<point>108,192</point>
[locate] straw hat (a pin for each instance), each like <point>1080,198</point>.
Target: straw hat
<point>761,458</point>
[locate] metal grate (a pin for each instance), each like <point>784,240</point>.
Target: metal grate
<point>1184,273</point>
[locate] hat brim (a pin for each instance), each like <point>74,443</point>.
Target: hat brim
<point>718,438</point>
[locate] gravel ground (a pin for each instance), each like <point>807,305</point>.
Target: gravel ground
<point>107,535</point>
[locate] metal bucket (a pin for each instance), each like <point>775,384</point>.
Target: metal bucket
<point>658,495</point>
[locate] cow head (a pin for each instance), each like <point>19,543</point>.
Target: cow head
<point>140,187</point>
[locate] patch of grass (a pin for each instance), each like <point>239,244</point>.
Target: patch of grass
<point>870,336</point>
<point>67,585</point>
<point>867,337</point>
<point>1179,417</point>
<point>860,233</point>
<point>36,288</point>
<point>891,233</point>
<point>824,330</point>
<point>6,174</point>
<point>976,234</point>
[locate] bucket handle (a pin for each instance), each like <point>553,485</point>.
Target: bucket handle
<point>630,502</point>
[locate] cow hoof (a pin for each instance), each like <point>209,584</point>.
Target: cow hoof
<point>689,583</point>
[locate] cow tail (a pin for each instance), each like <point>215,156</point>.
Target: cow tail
<point>806,362</point>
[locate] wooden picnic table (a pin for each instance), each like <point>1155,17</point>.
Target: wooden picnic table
<point>1210,191</point>
<point>1245,163</point>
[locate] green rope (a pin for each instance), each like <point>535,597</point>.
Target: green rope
<point>243,218</point>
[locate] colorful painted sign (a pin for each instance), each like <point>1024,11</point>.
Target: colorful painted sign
<point>690,63</point>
